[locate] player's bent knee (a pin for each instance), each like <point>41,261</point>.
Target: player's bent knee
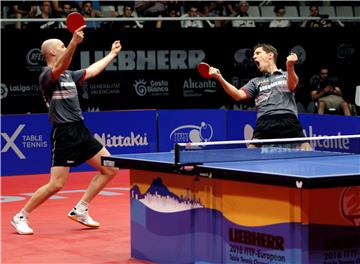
<point>55,187</point>
<point>110,171</point>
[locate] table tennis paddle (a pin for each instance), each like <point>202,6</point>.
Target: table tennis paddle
<point>74,21</point>
<point>203,69</point>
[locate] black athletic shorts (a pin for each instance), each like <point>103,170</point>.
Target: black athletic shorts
<point>278,126</point>
<point>72,144</point>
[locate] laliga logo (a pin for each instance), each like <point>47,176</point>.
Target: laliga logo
<point>4,91</point>
<point>192,133</point>
<point>34,57</point>
<point>140,87</point>
<point>10,142</point>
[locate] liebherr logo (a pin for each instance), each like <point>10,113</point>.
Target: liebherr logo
<point>10,142</point>
<point>139,60</point>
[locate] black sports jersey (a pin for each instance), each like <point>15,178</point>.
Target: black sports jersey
<point>61,95</point>
<point>272,95</point>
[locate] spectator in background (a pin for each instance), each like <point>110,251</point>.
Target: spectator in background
<point>66,8</point>
<point>150,9</point>
<point>217,9</point>
<point>243,12</point>
<point>326,92</point>
<point>89,12</point>
<point>280,12</point>
<point>47,12</point>
<point>231,7</point>
<point>24,9</point>
<point>192,12</point>
<point>128,10</point>
<point>172,11</point>
<point>318,21</point>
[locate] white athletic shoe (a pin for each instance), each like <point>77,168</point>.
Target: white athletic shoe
<point>83,218</point>
<point>20,223</point>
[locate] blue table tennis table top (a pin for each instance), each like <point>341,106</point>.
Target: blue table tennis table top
<point>305,171</point>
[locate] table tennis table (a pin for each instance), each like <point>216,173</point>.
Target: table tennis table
<point>286,209</point>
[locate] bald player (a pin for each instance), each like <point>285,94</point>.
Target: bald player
<point>71,142</point>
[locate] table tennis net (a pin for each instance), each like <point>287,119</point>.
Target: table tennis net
<point>289,148</point>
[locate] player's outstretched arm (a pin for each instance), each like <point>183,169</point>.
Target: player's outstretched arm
<point>293,79</point>
<point>64,60</point>
<point>97,67</point>
<point>235,93</point>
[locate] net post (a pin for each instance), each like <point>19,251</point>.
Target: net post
<point>176,153</point>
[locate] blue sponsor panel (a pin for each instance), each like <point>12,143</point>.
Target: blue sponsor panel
<point>183,126</point>
<point>332,125</point>
<point>26,147</point>
<point>241,124</point>
<point>123,131</point>
<point>25,144</point>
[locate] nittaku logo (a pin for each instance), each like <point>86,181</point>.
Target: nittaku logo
<point>140,87</point>
<point>34,57</point>
<point>192,133</point>
<point>4,91</point>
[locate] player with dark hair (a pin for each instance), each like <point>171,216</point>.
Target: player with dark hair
<point>274,95</point>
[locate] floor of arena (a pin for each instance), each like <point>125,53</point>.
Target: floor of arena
<point>56,238</point>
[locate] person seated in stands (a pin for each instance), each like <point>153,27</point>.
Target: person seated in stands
<point>67,7</point>
<point>318,21</point>
<point>128,10</point>
<point>279,13</point>
<point>89,12</point>
<point>192,12</point>
<point>150,9</point>
<point>243,12</point>
<point>24,9</point>
<point>48,12</point>
<point>327,93</point>
<point>171,11</point>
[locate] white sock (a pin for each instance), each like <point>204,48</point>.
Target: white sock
<point>82,206</point>
<point>22,213</point>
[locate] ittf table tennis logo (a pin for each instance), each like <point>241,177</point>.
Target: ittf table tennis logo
<point>10,142</point>
<point>192,133</point>
<point>34,57</point>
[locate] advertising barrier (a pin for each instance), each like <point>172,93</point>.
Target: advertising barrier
<point>25,139</point>
<point>26,147</point>
<point>160,72</point>
<point>241,125</point>
<point>181,126</point>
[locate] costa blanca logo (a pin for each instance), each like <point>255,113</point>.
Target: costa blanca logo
<point>4,91</point>
<point>192,133</point>
<point>152,87</point>
<point>140,87</point>
<point>34,57</point>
